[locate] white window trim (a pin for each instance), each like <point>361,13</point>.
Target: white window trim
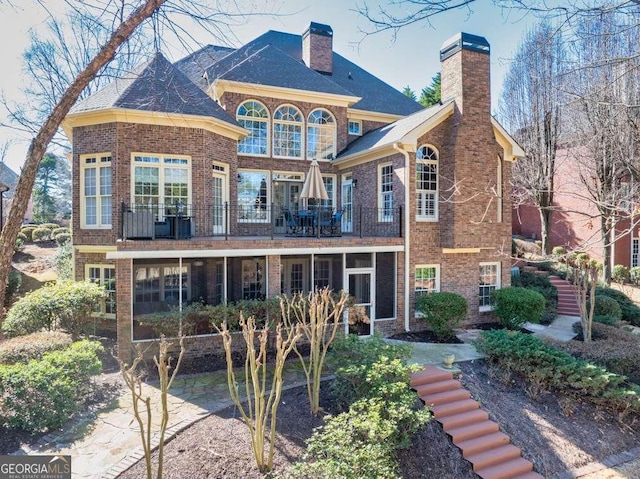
<point>101,267</point>
<point>437,288</point>
<point>267,120</point>
<point>317,125</point>
<point>381,217</point>
<point>269,180</point>
<point>83,199</point>
<point>161,166</point>
<point>162,290</point>
<point>303,132</point>
<point>357,122</point>
<point>434,218</point>
<point>498,266</point>
<point>637,240</point>
<point>333,192</point>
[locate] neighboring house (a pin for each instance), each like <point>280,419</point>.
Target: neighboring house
<point>189,179</point>
<point>9,179</point>
<point>576,223</point>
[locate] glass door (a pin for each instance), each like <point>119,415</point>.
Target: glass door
<point>286,196</point>
<point>347,204</point>
<point>360,316</point>
<point>219,199</point>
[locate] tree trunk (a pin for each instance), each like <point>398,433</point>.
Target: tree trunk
<point>39,144</point>
<point>605,225</point>
<point>545,229</point>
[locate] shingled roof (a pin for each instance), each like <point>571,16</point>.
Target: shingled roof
<point>375,95</point>
<point>156,86</point>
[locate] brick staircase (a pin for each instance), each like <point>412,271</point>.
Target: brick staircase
<point>480,439</point>
<point>567,303</point>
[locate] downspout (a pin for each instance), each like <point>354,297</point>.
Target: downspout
<point>407,230</point>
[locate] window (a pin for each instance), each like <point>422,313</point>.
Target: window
<point>321,135</point>
<point>160,181</point>
<point>96,187</point>
<point>489,282</point>
<point>161,283</point>
<point>322,273</point>
<point>253,276</point>
<point>427,279</point>
<point>287,132</point>
<point>385,193</point>
<point>104,275</point>
<point>355,127</point>
<point>329,185</point>
<point>253,116</point>
<point>253,196</point>
<point>426,184</point>
<point>635,252</point>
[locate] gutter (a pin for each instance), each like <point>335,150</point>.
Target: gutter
<point>407,231</point>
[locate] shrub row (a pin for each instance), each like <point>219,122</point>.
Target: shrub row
<point>630,312</point>
<point>43,394</point>
<point>613,348</point>
<point>552,369</point>
<point>33,346</point>
<point>363,441</point>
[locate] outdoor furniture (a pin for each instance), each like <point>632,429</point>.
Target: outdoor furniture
<point>307,221</point>
<point>336,223</point>
<point>293,228</point>
<point>139,224</point>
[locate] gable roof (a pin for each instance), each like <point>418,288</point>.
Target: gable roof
<point>156,86</point>
<point>260,65</point>
<point>9,178</point>
<point>407,129</point>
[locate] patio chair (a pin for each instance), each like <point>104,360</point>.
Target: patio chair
<point>293,228</point>
<point>336,220</point>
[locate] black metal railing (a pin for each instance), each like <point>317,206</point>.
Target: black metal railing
<point>181,221</point>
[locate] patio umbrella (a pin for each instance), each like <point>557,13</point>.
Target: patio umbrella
<point>313,186</point>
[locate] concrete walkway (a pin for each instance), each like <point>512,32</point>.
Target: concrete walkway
<point>560,329</point>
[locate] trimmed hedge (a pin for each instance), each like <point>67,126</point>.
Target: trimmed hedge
<point>442,311</point>
<point>41,234</point>
<point>620,274</point>
<point>541,284</point>
<point>32,346</point>
<point>516,306</point>
<point>43,394</point>
<point>549,368</point>
<point>630,311</point>
<point>606,310</point>
<point>27,231</point>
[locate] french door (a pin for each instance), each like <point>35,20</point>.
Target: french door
<point>347,205</point>
<point>219,199</point>
<point>360,316</point>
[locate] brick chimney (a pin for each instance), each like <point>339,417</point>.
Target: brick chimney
<point>466,73</point>
<point>317,48</point>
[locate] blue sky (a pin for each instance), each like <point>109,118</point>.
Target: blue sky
<point>412,59</point>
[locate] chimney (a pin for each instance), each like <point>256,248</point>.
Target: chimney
<point>317,48</point>
<point>466,73</point>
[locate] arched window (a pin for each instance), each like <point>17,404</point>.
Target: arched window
<point>253,116</point>
<point>426,184</point>
<point>287,132</point>
<point>321,135</point>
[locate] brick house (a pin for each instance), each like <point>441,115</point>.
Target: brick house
<point>188,180</point>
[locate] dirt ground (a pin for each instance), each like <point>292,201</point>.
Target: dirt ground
<point>558,436</point>
<point>35,262</point>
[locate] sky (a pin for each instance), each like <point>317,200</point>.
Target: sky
<point>412,58</point>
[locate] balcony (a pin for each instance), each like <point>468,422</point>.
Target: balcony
<point>227,220</point>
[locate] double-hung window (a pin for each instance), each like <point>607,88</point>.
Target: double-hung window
<point>427,279</point>
<point>426,184</point>
<point>489,282</point>
<point>104,275</point>
<point>161,183</point>
<point>96,187</point>
<point>385,193</point>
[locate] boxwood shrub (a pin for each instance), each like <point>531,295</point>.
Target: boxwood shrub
<point>43,394</point>
<point>32,346</point>
<point>630,312</point>
<point>516,306</point>
<point>442,311</point>
<point>606,310</point>
<point>541,284</point>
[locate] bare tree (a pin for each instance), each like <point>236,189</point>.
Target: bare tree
<point>531,104</point>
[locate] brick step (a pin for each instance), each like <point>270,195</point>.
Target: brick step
<point>482,443</point>
<point>445,397</point>
<point>430,374</point>
<point>463,419</point>
<point>568,312</point>
<point>506,470</point>
<point>494,456</point>
<point>440,386</point>
<point>470,431</point>
<point>454,407</point>
<point>530,475</point>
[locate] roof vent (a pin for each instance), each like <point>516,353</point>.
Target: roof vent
<point>463,41</point>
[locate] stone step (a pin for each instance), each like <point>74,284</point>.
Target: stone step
<point>470,431</point>
<point>482,443</point>
<point>445,397</point>
<point>494,456</point>
<point>454,407</point>
<point>506,470</point>
<point>463,419</point>
<point>430,374</point>
<point>440,386</point>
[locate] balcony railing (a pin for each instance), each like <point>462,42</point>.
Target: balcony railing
<point>181,221</point>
